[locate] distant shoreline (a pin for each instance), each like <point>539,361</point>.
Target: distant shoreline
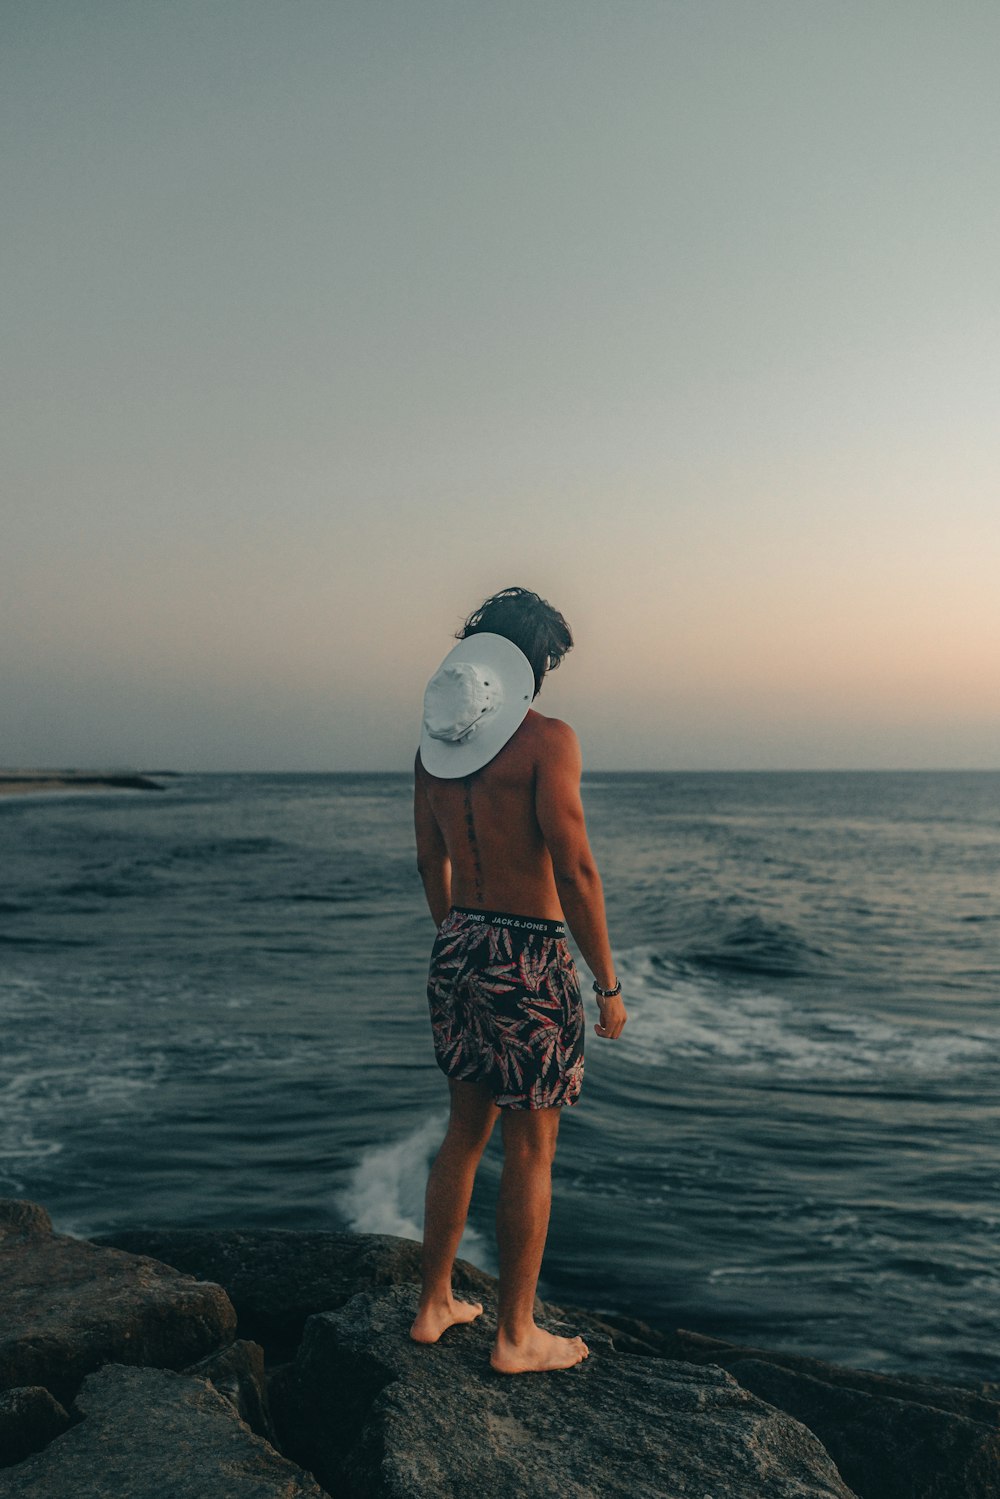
<point>31,782</point>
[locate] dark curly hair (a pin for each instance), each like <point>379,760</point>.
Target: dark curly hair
<point>533,625</point>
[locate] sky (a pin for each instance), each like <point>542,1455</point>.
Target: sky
<point>324,320</point>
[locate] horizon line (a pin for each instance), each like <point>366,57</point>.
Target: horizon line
<point>38,770</point>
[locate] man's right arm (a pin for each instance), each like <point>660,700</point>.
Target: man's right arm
<point>559,810</point>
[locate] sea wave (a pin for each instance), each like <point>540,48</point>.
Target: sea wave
<point>384,1193</point>
<point>676,1014</point>
<point>218,851</point>
<point>753,944</point>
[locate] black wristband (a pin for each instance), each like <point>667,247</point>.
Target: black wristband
<point>608,993</point>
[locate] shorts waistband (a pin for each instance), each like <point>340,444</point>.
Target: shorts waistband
<point>505,918</point>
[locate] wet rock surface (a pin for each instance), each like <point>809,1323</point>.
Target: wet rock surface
<point>155,1434</point>
<point>70,1306</point>
<point>382,1416</point>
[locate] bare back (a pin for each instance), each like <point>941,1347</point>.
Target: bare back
<point>490,828</point>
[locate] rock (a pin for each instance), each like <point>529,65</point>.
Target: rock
<point>650,1413</point>
<point>284,1407</point>
<point>892,1436</point>
<point>20,1216</point>
<point>155,1434</point>
<point>390,1419</point>
<point>277,1277</point>
<point>70,1306</point>
<point>237,1372</point>
<point>981,1403</point>
<point>75,780</point>
<point>29,1418</point>
<point>884,1448</point>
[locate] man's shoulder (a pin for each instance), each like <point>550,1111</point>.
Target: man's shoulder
<point>553,734</point>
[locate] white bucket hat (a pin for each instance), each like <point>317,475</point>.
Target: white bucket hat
<point>475,701</point>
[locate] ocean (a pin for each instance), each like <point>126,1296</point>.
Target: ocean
<point>212,1013</point>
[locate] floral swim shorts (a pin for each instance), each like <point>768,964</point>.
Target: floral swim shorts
<point>505,1007</point>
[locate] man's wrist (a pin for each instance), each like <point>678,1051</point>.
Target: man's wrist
<point>608,990</point>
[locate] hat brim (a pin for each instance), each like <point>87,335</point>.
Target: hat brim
<point>497,654</point>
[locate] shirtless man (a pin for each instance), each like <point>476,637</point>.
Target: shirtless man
<point>503,854</point>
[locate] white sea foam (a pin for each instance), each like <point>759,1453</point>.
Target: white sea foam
<point>677,1015</point>
<point>385,1191</point>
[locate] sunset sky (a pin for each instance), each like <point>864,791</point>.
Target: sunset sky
<point>323,320</point>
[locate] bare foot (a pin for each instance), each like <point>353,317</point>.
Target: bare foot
<point>431,1321</point>
<point>540,1350</point>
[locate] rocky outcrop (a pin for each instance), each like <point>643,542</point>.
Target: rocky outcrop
<point>892,1437</point>
<point>324,1378</point>
<point>155,1434</point>
<point>889,1449</point>
<point>70,1306</point>
<point>385,1418</point>
<point>14,782</point>
<point>978,1403</point>
<point>276,1278</point>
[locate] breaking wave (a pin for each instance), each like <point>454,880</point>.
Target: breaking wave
<point>384,1193</point>
<point>677,1014</point>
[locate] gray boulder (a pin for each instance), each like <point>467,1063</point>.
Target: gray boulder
<point>237,1372</point>
<point>155,1434</point>
<point>277,1277</point>
<point>380,1417</point>
<point>977,1403</point>
<point>885,1448</point>
<point>892,1436</point>
<point>70,1306</point>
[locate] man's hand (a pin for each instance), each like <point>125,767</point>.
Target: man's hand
<point>613,1018</point>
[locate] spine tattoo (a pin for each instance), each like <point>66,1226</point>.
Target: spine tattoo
<point>470,828</point>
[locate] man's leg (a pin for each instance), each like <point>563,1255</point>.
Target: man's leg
<point>529,1145</point>
<point>449,1191</point>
